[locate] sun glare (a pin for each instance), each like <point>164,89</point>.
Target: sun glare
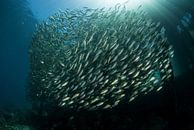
<point>113,2</point>
<point>131,4</point>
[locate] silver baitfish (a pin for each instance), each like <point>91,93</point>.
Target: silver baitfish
<point>98,59</point>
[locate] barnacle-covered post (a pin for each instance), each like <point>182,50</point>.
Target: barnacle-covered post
<point>96,58</point>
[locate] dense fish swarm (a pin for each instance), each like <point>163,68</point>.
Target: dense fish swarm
<point>96,58</point>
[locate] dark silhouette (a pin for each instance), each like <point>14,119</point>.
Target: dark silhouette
<point>17,24</point>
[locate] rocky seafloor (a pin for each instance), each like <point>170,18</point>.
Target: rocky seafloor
<point>171,109</point>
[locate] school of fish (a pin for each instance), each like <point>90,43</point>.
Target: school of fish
<point>97,58</point>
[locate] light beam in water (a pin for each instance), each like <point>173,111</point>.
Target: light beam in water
<point>131,4</point>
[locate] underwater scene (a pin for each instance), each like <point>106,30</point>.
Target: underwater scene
<point>97,65</point>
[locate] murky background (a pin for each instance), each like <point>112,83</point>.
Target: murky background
<point>17,25</point>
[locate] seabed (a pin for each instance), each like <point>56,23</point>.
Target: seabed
<point>172,108</point>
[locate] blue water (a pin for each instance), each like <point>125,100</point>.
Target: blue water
<point>17,23</point>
